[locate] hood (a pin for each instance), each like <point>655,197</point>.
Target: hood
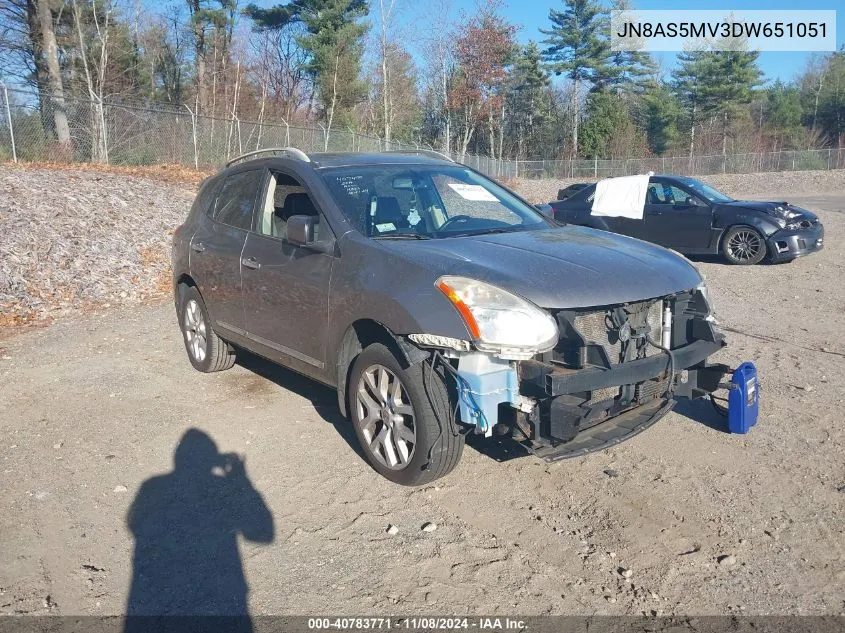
<point>781,210</point>
<point>568,267</point>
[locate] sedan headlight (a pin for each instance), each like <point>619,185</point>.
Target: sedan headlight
<point>500,322</point>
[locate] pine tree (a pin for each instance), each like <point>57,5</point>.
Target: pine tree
<point>577,46</point>
<point>783,112</point>
<point>212,22</point>
<point>829,113</point>
<point>628,71</point>
<point>658,114</point>
<point>691,88</point>
<point>527,97</point>
<point>608,130</point>
<point>334,42</point>
<point>716,84</point>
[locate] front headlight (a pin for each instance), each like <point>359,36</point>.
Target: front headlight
<point>500,322</point>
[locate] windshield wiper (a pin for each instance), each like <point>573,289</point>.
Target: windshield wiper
<point>486,232</point>
<point>402,236</point>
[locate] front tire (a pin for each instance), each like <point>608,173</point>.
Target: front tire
<point>206,351</point>
<point>743,245</point>
<point>403,418</point>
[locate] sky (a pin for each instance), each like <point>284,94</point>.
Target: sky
<point>532,15</point>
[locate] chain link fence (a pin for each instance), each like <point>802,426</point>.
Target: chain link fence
<point>788,160</point>
<point>131,134</point>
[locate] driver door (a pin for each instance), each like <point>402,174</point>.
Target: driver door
<point>285,286</point>
<point>675,218</point>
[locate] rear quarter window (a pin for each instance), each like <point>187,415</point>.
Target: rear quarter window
<point>204,202</point>
<point>236,200</point>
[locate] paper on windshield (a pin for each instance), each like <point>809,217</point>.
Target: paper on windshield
<point>473,192</point>
<point>621,197</point>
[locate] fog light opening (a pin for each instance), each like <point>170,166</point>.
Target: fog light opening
<point>782,247</point>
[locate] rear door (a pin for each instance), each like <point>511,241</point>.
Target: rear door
<point>285,286</point>
<point>675,217</point>
<point>217,244</point>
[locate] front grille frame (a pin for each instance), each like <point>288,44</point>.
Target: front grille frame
<point>589,337</point>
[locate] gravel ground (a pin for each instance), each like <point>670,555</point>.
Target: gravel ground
<point>706,522</point>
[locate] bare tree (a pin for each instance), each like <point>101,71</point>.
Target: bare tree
<point>95,81</point>
<point>54,75</point>
<point>440,59</point>
<point>386,9</point>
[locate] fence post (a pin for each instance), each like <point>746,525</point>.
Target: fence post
<point>9,118</point>
<point>194,129</point>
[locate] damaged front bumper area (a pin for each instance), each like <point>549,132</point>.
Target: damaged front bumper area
<point>592,409</point>
<point>614,372</point>
<point>802,238</point>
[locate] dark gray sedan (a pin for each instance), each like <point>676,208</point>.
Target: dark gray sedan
<point>438,303</point>
<point>693,218</point>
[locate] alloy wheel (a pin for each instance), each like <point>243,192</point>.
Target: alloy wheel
<point>195,330</point>
<point>744,245</point>
<point>386,417</point>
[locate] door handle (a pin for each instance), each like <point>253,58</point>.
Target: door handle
<point>199,247</point>
<point>251,263</point>
<point>655,213</point>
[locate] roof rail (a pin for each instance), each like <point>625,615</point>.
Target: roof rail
<point>421,152</point>
<point>291,152</point>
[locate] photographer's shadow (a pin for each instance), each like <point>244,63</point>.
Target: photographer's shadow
<point>186,525</point>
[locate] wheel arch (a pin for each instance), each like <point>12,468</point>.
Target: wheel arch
<point>358,336</point>
<point>764,236</point>
<point>746,225</point>
<point>183,281</point>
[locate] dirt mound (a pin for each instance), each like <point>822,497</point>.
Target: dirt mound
<point>72,238</point>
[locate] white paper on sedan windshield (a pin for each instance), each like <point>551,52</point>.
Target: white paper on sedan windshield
<point>473,192</point>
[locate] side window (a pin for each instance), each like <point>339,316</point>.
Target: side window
<point>204,202</point>
<point>236,199</point>
<point>678,196</point>
<point>656,194</point>
<point>285,198</point>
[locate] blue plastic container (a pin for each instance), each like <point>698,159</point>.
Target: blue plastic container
<point>743,399</point>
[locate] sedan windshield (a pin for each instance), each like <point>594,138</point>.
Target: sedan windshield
<point>426,202</point>
<point>713,195</point>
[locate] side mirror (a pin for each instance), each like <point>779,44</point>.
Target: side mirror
<point>301,229</point>
<point>692,202</point>
<point>546,210</point>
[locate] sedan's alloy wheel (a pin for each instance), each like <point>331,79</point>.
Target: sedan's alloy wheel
<point>386,417</point>
<point>195,331</point>
<point>745,245</point>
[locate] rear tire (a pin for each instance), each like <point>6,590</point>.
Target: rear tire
<point>396,414</point>
<point>206,351</point>
<point>743,246</point>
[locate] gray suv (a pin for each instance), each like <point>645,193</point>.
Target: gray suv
<point>438,303</point>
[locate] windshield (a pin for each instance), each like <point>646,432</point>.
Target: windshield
<point>426,202</point>
<point>713,195</point>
